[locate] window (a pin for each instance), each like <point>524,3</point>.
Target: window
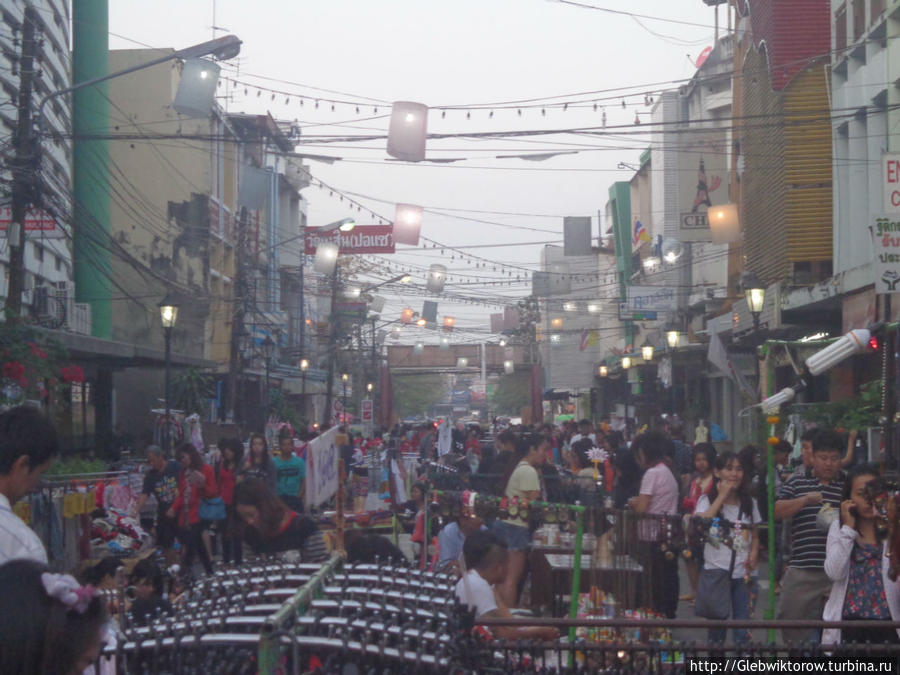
<point>38,253</point>
<point>859,19</point>
<point>57,262</point>
<point>840,29</point>
<point>876,9</point>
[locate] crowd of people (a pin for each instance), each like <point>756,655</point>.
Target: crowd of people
<point>833,557</point>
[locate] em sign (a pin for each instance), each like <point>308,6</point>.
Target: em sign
<point>890,175</point>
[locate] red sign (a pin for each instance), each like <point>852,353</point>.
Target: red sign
<point>361,239</point>
<point>367,410</point>
<point>37,220</point>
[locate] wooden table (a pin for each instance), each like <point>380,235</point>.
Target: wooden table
<point>551,579</point>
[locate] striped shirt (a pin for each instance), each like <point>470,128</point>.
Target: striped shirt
<point>17,540</point>
<point>807,540</point>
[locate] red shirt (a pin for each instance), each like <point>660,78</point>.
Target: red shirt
<point>190,494</point>
<point>226,484</point>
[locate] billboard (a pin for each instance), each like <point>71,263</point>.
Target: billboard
<point>650,299</point>
<point>703,180</point>
<point>361,239</point>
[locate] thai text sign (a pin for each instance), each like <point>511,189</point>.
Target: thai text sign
<point>36,220</point>
<point>322,456</point>
<point>890,181</point>
<point>361,239</point>
<point>886,243</point>
<point>650,299</point>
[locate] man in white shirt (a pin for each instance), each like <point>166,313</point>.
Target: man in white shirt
<point>28,444</point>
<point>585,430</point>
<point>485,555</point>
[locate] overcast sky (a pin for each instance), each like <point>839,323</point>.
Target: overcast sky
<point>476,56</point>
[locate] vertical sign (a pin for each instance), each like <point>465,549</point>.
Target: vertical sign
<point>886,244</point>
<point>367,410</point>
<point>890,177</point>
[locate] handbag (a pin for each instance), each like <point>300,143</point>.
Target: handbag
<point>713,599</point>
<point>212,508</point>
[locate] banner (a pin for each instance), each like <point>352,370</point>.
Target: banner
<point>650,299</point>
<point>886,240</point>
<point>361,239</point>
<point>36,220</point>
<point>322,458</point>
<point>703,180</point>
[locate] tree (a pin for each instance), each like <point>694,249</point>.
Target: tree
<point>191,389</point>
<point>415,394</point>
<point>513,392</point>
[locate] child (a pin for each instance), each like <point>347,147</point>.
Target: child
<point>856,561</point>
<point>730,502</point>
<point>49,623</point>
<point>704,456</point>
<point>147,581</point>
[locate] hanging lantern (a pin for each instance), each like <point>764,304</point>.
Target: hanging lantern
<point>724,223</point>
<point>437,274</point>
<point>626,362</point>
<point>407,224</point>
<point>326,257</point>
<point>647,352</point>
<point>408,131</point>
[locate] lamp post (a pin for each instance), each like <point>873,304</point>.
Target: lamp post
<point>755,294</point>
<point>345,377</point>
<point>268,351</point>
<point>222,48</point>
<point>168,313</point>
<point>304,366</point>
<point>673,336</point>
<point>626,364</point>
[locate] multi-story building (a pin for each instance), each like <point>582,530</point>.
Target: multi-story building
<point>49,292</point>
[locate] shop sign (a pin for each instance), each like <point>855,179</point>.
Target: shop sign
<point>886,243</point>
<point>361,239</point>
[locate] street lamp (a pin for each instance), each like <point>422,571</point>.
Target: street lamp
<point>603,371</point>
<point>755,294</point>
<point>304,366</point>
<point>222,48</point>
<point>369,387</point>
<point>344,225</point>
<point>673,335</point>
<point>626,362</point>
<point>647,352</point>
<point>268,351</point>
<point>168,313</point>
<point>345,377</point>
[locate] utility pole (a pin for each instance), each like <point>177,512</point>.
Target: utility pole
<point>237,321</point>
<point>24,168</point>
<point>332,346</point>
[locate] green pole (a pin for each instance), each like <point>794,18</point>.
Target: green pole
<point>576,577</point>
<point>90,115</point>
<point>770,490</point>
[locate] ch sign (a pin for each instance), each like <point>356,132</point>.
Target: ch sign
<point>890,172</point>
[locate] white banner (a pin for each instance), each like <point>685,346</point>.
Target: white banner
<point>650,299</point>
<point>322,458</point>
<point>886,241</point>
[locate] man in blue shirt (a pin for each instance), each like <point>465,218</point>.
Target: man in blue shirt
<point>452,538</point>
<point>291,472</point>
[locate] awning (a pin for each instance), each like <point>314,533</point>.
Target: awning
<point>294,385</point>
<point>122,354</point>
<point>556,395</point>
